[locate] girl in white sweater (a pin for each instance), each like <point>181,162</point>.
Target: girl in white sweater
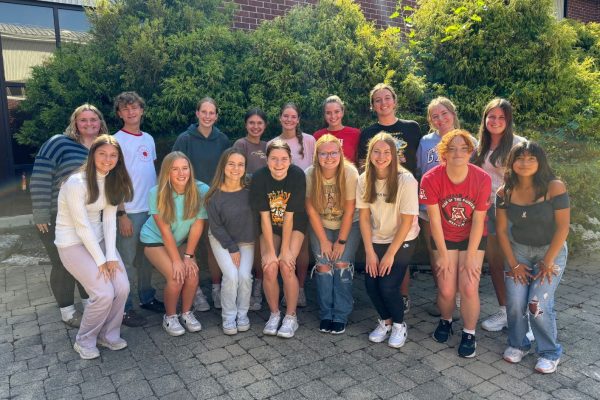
<point>86,242</point>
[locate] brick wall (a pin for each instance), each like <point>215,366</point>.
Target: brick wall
<point>252,12</point>
<point>583,10</point>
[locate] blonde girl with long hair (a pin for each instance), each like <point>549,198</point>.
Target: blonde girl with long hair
<point>330,205</point>
<point>386,197</point>
<point>170,237</point>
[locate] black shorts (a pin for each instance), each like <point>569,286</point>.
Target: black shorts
<point>300,224</point>
<point>158,244</point>
<point>460,246</point>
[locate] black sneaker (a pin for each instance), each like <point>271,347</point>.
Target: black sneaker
<point>467,347</point>
<point>132,319</point>
<point>156,306</point>
<point>443,331</point>
<point>337,328</point>
<point>325,326</point>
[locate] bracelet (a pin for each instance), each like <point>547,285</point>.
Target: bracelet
<point>186,255</point>
<point>516,266</point>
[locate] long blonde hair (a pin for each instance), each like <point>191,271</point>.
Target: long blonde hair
<point>391,183</point>
<point>72,132</point>
<point>317,194</point>
<point>165,203</point>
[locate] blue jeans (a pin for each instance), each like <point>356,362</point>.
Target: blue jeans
<point>334,288</point>
<point>132,254</point>
<point>519,297</point>
<point>236,286</point>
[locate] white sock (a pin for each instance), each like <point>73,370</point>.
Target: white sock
<point>67,312</point>
<point>469,331</point>
<point>503,309</point>
<point>85,302</point>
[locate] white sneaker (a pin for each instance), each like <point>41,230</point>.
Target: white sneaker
<point>86,353</point>
<point>118,344</point>
<point>398,336</point>
<point>200,302</point>
<point>189,321</point>
<point>256,298</point>
<point>172,326</point>
<point>243,323</point>
<point>495,322</point>
<point>380,333</point>
<point>301,298</point>
<point>546,366</point>
<point>289,326</point>
<point>272,324</point>
<point>216,296</point>
<point>229,328</point>
<point>514,355</point>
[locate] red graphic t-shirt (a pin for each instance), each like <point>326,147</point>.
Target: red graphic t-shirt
<point>456,202</point>
<point>349,138</point>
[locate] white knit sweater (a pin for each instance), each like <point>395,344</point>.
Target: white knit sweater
<point>80,223</point>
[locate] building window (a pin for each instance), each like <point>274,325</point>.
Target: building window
<point>28,38</point>
<point>74,26</point>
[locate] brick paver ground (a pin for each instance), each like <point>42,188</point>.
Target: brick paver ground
<point>37,359</point>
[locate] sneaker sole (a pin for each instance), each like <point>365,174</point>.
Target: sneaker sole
<point>230,332</point>
<point>396,346</point>
<point>285,335</point>
<point>111,346</point>
<point>171,333</point>
<point>324,330</point>
<point>547,371</point>
<point>493,329</point>
<point>378,340</point>
<point>243,328</point>
<point>473,354</point>
<point>78,349</point>
<point>192,330</point>
<point>269,333</point>
<point>439,341</point>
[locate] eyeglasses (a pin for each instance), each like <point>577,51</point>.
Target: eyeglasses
<point>332,154</point>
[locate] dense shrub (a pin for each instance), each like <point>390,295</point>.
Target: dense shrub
<point>175,52</point>
<point>477,49</point>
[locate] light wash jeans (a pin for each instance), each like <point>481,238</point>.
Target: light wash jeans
<point>334,288</point>
<point>236,286</point>
<point>132,254</point>
<point>519,297</point>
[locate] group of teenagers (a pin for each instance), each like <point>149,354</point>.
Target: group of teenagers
<point>252,210</point>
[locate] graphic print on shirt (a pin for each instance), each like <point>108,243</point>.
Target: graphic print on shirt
<point>432,156</point>
<point>144,153</point>
<point>457,210</point>
<point>331,212</point>
<point>401,144</point>
<point>278,201</point>
<point>259,154</point>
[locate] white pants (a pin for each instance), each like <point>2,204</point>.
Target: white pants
<point>236,286</point>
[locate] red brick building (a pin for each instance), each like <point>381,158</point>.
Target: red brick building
<point>582,10</point>
<point>252,12</point>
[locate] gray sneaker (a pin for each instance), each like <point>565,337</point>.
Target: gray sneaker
<point>118,344</point>
<point>216,297</point>
<point>301,298</point>
<point>229,328</point>
<point>243,323</point>
<point>189,321</point>
<point>172,326</point>
<point>272,324</point>
<point>256,298</point>
<point>289,326</point>
<point>86,353</point>
<point>200,302</point>
<point>75,320</point>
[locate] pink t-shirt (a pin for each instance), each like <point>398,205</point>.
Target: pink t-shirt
<point>309,149</point>
<point>348,136</point>
<point>457,202</point>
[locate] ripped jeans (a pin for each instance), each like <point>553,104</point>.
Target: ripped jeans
<point>538,299</point>
<point>334,288</point>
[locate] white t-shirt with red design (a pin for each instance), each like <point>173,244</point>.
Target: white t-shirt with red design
<point>457,202</point>
<point>139,153</point>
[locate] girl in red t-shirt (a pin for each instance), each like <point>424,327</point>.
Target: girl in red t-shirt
<point>333,113</point>
<point>457,194</point>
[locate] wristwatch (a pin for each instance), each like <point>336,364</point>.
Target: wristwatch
<point>340,241</point>
<point>186,255</point>
<point>120,213</point>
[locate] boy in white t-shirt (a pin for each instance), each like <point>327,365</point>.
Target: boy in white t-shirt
<point>139,153</point>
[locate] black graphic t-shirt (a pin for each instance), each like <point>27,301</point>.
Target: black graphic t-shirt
<point>278,197</point>
<point>406,132</point>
